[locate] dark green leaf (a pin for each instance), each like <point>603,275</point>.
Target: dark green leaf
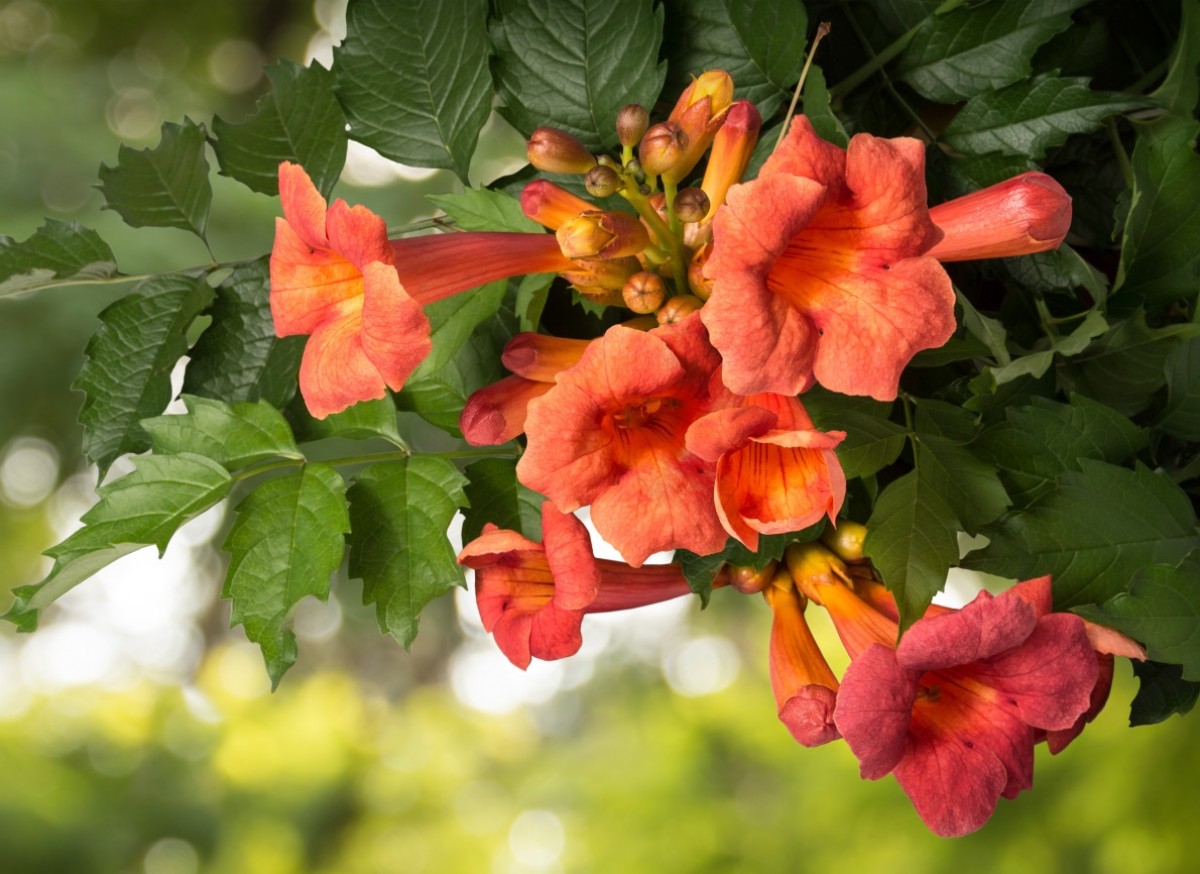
<point>872,440</point>
<point>58,254</point>
<point>1036,364</point>
<point>413,79</point>
<point>940,419</point>
<point>400,512</point>
<point>285,544</point>
<point>496,496</point>
<point>479,209</point>
<point>701,570</point>
<point>238,357</point>
<point>818,111</point>
<point>912,538</point>
<point>969,486</point>
<point>760,43</point>
<point>987,330</point>
<point>573,64</point>
<point>142,508</point>
<point>1098,527</point>
<point>1162,610</point>
<point>1039,443</point>
<point>233,436</point>
<point>127,375</point>
<point>1182,416</point>
<point>1029,117</point>
<point>163,187</point>
<point>452,322</point>
<point>298,120</point>
<point>1162,694</point>
<point>1059,270</point>
<point>361,421</point>
<point>978,48</point>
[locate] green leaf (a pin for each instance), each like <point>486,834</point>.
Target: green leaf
<point>298,120</point>
<point>872,440</point>
<point>238,357</point>
<point>978,48</point>
<point>1060,270</point>
<point>60,253</point>
<point>760,43</point>
<point>1029,117</point>
<point>1162,610</point>
<point>127,375</point>
<point>453,320</point>
<point>1182,416</point>
<point>1180,91</point>
<point>701,570</point>
<point>912,538</point>
<point>1035,364</point>
<point>817,109</point>
<point>480,209</point>
<point>1098,527</point>
<point>1160,261</point>
<point>400,512</point>
<point>142,508</point>
<point>285,544</point>
<point>573,64</point>
<point>163,187</point>
<point>1162,694</point>
<point>533,292</point>
<point>496,496</point>
<point>413,79</point>
<point>361,421</point>
<point>987,330</point>
<point>1038,443</point>
<point>968,485</point>
<point>231,435</point>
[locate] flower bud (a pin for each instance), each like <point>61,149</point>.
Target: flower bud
<point>748,581</point>
<point>602,181</point>
<point>644,292</point>
<point>732,148</point>
<point>556,151</point>
<point>678,308</point>
<point>662,148</point>
<point>597,234</point>
<point>1028,213</point>
<point>700,284</point>
<point>610,275</point>
<point>632,121</point>
<point>700,112</point>
<point>691,205</point>
<point>550,205</point>
<point>846,540</point>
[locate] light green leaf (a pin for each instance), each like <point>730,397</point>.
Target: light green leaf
<point>60,253</point>
<point>163,187</point>
<point>480,209</point>
<point>127,375</point>
<point>413,79</point>
<point>298,120</point>
<point>400,512</point>
<point>495,495</point>
<point>533,292</point>
<point>142,508</point>
<point>285,544</point>
<point>361,421</point>
<point>231,435</point>
<point>573,64</point>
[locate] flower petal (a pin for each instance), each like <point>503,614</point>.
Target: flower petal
<point>984,628</point>
<point>395,328</point>
<point>335,372</point>
<point>874,709</point>
<point>303,206</point>
<point>308,284</point>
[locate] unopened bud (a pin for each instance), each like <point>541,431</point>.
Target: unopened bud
<point>632,122</point>
<point>644,292</point>
<point>550,205</point>
<point>846,540</point>
<point>662,147</point>
<point>556,151</point>
<point>733,145</point>
<point>700,284</point>
<point>700,112</point>
<point>610,275</point>
<point>678,308</point>
<point>748,581</point>
<point>601,235</point>
<point>602,181</point>
<point>691,205</point>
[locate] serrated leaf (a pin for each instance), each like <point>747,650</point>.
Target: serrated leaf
<point>142,508</point>
<point>480,209</point>
<point>1181,418</point>
<point>495,495</point>
<point>453,320</point>
<point>1162,610</point>
<point>298,120</point>
<point>163,187</point>
<point>1060,270</point>
<point>59,253</point>
<point>1038,443</point>
<point>1035,364</point>
<point>285,544</point>
<point>701,570</point>
<point>817,109</point>
<point>1027,118</point>
<point>573,64</point>
<point>1160,261</point>
<point>400,512</point>
<point>1099,526</point>
<point>1162,694</point>
<point>127,375</point>
<point>872,440</point>
<point>361,421</point>
<point>760,43</point>
<point>968,485</point>
<point>978,48</point>
<point>413,79</point>
<point>238,357</point>
<point>231,435</point>
<point>912,538</point>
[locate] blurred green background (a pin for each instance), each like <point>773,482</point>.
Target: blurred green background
<point>137,733</point>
